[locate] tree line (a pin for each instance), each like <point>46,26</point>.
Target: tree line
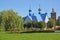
<point>41,25</point>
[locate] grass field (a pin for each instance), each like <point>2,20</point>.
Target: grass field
<point>30,36</point>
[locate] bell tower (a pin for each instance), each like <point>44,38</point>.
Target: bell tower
<point>53,14</point>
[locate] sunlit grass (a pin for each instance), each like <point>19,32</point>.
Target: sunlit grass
<point>30,36</point>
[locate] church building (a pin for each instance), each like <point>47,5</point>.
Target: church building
<point>31,17</point>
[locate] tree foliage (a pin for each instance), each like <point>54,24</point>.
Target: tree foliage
<point>58,21</point>
<point>35,24</point>
<point>42,24</point>
<point>10,20</point>
<point>51,23</point>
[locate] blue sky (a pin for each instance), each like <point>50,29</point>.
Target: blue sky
<point>22,6</point>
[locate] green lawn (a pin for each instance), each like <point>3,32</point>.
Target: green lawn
<point>30,36</point>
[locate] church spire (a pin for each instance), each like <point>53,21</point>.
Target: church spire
<point>39,8</point>
<point>53,11</point>
<point>30,9</point>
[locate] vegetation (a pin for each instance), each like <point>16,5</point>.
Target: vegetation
<point>10,21</point>
<point>42,24</point>
<point>58,21</point>
<point>32,36</point>
<point>51,23</point>
<point>35,26</point>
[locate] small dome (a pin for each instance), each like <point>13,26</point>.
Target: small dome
<point>30,10</point>
<point>39,9</point>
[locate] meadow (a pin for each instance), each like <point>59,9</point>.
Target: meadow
<point>30,36</point>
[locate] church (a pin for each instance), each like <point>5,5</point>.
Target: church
<point>32,17</point>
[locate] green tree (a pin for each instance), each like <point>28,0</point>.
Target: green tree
<point>34,24</point>
<point>51,23</point>
<point>58,21</point>
<point>10,20</point>
<point>42,24</point>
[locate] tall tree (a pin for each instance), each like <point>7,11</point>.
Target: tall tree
<point>10,20</point>
<point>58,21</point>
<point>51,23</point>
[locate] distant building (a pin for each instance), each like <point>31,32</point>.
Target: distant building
<point>53,14</point>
